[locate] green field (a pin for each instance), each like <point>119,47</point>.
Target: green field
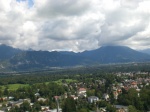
<point>13,86</point>
<point>16,86</point>
<point>60,81</point>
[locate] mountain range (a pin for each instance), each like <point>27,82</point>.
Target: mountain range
<point>147,51</point>
<point>15,59</point>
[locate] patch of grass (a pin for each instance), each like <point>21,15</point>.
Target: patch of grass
<point>60,81</point>
<point>14,86</point>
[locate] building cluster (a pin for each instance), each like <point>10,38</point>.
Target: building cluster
<point>129,81</point>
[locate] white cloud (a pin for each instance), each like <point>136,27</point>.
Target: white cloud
<point>75,25</point>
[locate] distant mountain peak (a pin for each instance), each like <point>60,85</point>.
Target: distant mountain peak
<point>113,46</point>
<point>7,52</point>
<point>27,60</point>
<point>147,51</point>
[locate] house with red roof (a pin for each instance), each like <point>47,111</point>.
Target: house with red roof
<point>82,92</point>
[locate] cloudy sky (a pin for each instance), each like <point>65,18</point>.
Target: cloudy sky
<point>74,25</point>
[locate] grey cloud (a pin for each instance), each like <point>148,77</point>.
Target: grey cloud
<point>75,25</point>
<point>132,4</point>
<point>57,8</point>
<point>120,25</point>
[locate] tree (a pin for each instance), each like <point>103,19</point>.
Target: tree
<point>25,106</point>
<point>37,107</point>
<point>91,92</point>
<point>132,109</point>
<point>1,92</point>
<point>69,105</point>
<point>110,108</point>
<point>83,110</point>
<point>15,109</point>
<point>6,92</point>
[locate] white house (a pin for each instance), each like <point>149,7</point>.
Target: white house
<point>37,94</point>
<point>42,99</point>
<point>134,85</point>
<point>106,96</point>
<point>92,99</point>
<point>74,97</point>
<point>115,93</point>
